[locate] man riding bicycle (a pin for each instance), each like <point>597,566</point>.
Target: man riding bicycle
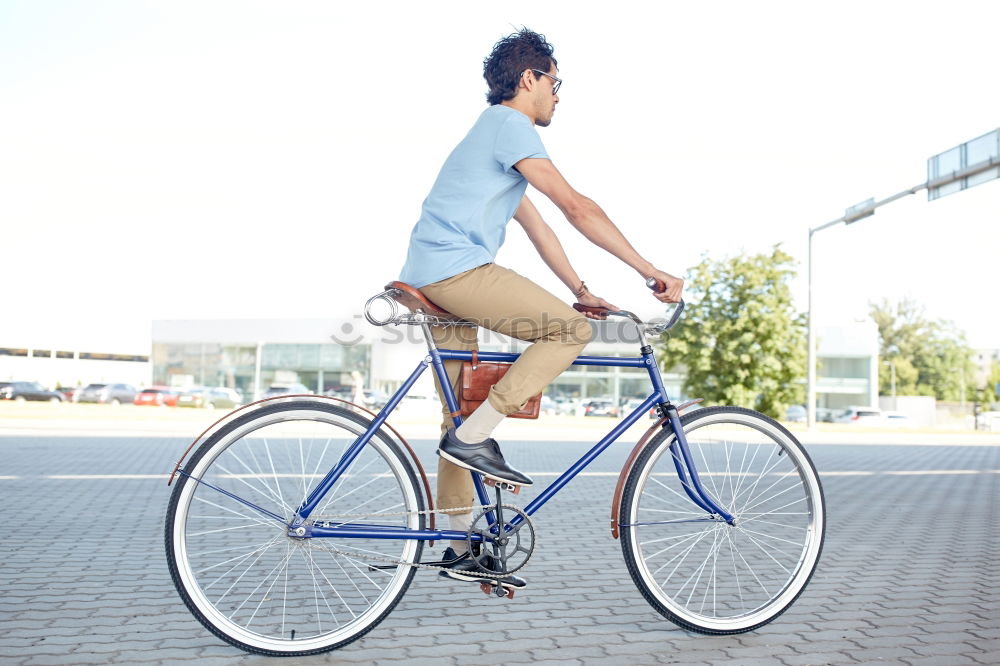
<point>450,259</point>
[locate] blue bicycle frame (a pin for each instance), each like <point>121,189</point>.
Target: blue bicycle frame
<point>683,461</point>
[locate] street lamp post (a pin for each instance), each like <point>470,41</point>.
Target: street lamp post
<point>972,163</point>
<point>892,380</point>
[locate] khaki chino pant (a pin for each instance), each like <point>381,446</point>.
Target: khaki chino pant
<point>499,299</point>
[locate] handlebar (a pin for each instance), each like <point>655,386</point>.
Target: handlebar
<point>658,287</point>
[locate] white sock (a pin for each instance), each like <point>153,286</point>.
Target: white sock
<point>480,424</point>
<point>459,522</point>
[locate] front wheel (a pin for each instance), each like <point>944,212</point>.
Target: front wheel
<point>698,571</point>
<point>238,570</point>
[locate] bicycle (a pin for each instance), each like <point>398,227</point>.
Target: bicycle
<point>299,523</point>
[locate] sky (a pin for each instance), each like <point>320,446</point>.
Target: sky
<point>187,160</point>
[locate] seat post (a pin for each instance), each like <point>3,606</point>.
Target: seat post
<point>428,336</point>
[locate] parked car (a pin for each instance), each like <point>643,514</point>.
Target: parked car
<point>860,415</point>
<point>375,399</point>
<point>21,391</point>
<point>419,404</point>
<point>157,396</point>
<point>565,406</point>
<point>796,414</point>
<point>275,390</point>
<point>111,394</point>
<point>600,407</point>
<point>209,398</point>
<point>988,421</point>
<point>342,392</point>
<point>825,414</point>
<point>634,403</point>
<point>67,392</point>
<point>897,420</point>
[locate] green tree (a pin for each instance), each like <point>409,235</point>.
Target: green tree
<point>930,357</point>
<point>989,394</point>
<point>741,342</point>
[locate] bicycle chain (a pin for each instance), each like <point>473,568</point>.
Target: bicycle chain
<point>415,565</point>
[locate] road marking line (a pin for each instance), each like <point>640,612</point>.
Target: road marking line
<point>117,477</point>
<point>98,477</point>
<point>922,472</point>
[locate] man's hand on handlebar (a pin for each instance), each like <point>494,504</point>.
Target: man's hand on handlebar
<point>592,301</point>
<point>674,287</point>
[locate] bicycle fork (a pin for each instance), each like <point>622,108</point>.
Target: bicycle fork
<point>684,465</point>
<point>679,450</point>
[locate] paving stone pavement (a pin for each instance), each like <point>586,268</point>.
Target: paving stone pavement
<point>910,573</point>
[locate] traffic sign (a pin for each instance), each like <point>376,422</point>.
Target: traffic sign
<point>964,166</point>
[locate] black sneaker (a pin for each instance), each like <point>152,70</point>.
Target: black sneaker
<point>459,566</point>
<point>484,457</point>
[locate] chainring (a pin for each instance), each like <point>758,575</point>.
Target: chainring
<point>507,553</point>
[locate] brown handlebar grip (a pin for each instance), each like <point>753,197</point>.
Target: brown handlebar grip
<point>658,286</point>
<point>597,312</point>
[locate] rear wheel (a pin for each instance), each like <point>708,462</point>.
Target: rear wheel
<point>240,573</point>
<point>700,572</point>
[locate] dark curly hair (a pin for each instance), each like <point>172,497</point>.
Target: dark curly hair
<point>512,55</point>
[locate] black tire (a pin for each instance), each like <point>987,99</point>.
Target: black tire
<point>301,630</point>
<point>656,516</point>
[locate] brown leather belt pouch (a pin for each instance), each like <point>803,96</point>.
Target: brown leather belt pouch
<point>478,377</point>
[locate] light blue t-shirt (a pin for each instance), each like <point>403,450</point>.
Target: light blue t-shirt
<point>464,218</point>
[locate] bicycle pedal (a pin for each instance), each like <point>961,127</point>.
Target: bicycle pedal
<point>512,488</point>
<point>498,590</point>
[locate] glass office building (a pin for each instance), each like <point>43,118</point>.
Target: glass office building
<point>252,355</point>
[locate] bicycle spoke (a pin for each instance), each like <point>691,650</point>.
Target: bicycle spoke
<point>768,536</point>
<point>682,555</point>
<point>668,538</point>
<point>736,572</point>
<point>744,472</point>
<point>236,582</point>
<point>242,558</point>
<point>270,525</point>
<point>743,523</point>
<point>270,494</point>
<point>359,558</point>
<point>708,472</point>
<point>768,499</point>
<point>697,536</point>
<point>685,498</point>
<point>332,586</point>
<point>283,564</point>
<point>766,552</point>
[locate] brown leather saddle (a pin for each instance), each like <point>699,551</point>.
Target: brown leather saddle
<point>414,299</point>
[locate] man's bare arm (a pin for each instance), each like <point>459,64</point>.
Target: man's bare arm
<point>590,220</point>
<point>547,243</point>
<point>552,253</point>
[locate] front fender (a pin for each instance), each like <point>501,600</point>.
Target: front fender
<point>616,500</point>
